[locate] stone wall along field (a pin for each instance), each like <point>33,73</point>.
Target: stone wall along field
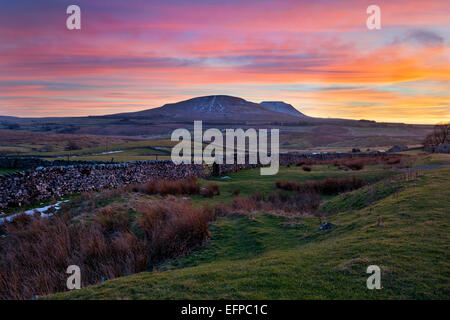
<point>19,188</point>
<point>49,181</point>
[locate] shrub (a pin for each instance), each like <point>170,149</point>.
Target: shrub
<point>169,187</point>
<point>354,164</point>
<point>306,168</point>
<point>210,190</point>
<point>328,186</point>
<point>236,192</point>
<point>113,218</point>
<point>73,145</point>
<point>173,227</point>
<point>287,185</point>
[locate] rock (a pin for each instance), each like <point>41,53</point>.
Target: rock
<point>326,226</point>
<point>398,148</point>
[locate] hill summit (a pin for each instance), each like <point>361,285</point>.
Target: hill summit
<point>220,107</point>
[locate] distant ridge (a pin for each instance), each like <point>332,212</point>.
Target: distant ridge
<point>218,111</point>
<point>283,107</point>
<point>220,107</point>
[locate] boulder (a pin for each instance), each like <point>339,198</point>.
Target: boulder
<point>398,148</point>
<point>326,226</point>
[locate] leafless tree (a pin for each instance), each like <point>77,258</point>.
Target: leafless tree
<point>72,145</point>
<point>440,134</point>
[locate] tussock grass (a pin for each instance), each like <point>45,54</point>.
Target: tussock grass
<point>110,243</point>
<point>328,186</point>
<point>164,187</point>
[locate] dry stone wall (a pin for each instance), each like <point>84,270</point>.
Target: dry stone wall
<point>47,180</point>
<point>19,188</point>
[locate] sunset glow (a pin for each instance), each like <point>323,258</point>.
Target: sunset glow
<point>318,56</point>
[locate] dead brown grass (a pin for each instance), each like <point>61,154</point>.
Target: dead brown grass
<point>299,203</point>
<point>36,252</point>
<point>165,187</point>
<point>328,186</point>
<point>210,190</point>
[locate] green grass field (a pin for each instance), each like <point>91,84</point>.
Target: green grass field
<point>250,181</point>
<point>404,230</point>
<point>2,170</point>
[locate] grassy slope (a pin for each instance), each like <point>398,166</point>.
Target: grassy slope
<point>277,258</point>
<point>2,170</point>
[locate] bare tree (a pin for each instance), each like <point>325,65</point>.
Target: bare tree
<point>440,134</point>
<point>72,145</point>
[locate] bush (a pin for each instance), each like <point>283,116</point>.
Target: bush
<point>328,186</point>
<point>287,185</point>
<point>173,227</point>
<point>354,164</point>
<point>236,192</point>
<point>164,187</point>
<point>113,218</point>
<point>306,168</point>
<point>210,190</point>
<point>73,145</point>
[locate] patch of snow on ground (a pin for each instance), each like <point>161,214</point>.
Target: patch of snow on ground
<point>31,212</point>
<point>108,152</point>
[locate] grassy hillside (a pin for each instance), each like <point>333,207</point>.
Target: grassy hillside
<point>405,231</point>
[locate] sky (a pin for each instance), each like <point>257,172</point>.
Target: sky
<point>317,55</point>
